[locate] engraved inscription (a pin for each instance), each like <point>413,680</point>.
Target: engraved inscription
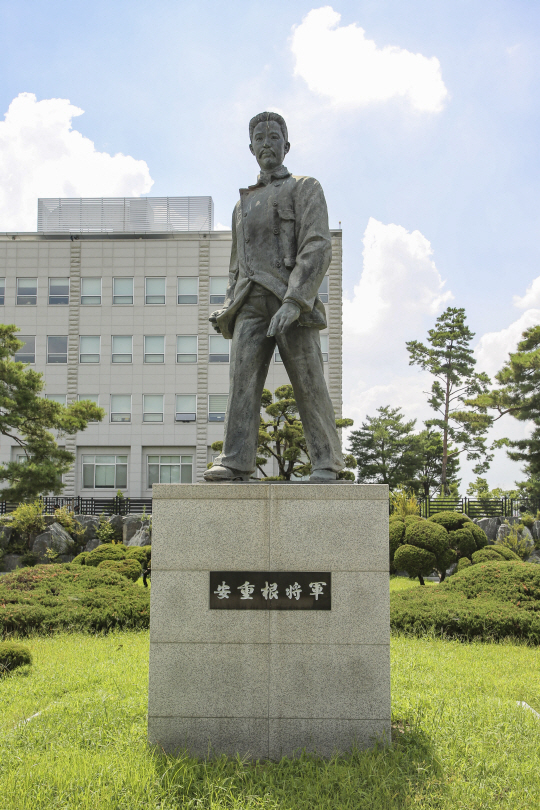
<point>270,590</point>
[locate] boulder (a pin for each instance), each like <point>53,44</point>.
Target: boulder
<point>141,538</point>
<point>502,532</point>
<point>5,536</point>
<point>55,538</point>
<point>535,531</point>
<point>88,524</point>
<point>534,557</point>
<point>117,522</point>
<point>10,562</point>
<point>92,544</point>
<point>490,525</point>
<point>132,524</point>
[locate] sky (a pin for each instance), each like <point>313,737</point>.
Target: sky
<point>419,117</point>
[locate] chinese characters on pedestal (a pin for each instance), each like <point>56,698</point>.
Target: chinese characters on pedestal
<point>259,590</point>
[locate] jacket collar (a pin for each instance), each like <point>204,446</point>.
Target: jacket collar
<point>276,174</point>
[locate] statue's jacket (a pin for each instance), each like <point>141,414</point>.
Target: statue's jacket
<point>280,240</point>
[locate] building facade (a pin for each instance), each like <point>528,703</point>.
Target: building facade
<point>122,318</point>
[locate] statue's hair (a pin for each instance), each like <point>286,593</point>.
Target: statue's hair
<point>268,116</point>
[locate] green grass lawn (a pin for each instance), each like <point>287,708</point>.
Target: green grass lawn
<point>460,739</point>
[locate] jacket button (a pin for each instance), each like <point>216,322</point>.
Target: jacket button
<point>276,230</point>
<point>274,204</point>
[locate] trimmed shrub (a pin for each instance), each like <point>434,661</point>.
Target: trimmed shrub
<point>490,554</point>
<point>450,520</point>
<point>70,597</point>
<point>417,562</point>
<point>505,552</point>
<point>480,537</point>
<point>140,553</point>
<point>463,563</point>
<point>462,540</point>
<point>493,600</point>
<point>429,536</point>
<point>12,656</point>
<point>397,518</point>
<point>80,559</point>
<point>412,519</point>
<point>127,568</point>
<point>108,551</point>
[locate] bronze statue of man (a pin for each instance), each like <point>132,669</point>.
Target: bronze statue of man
<point>281,250</point>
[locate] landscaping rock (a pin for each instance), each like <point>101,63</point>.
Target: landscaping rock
<point>88,524</point>
<point>132,524</point>
<point>491,526</point>
<point>534,558</point>
<point>55,538</point>
<point>502,532</point>
<point>142,538</point>
<point>117,522</point>
<point>10,562</point>
<point>92,544</point>
<point>5,536</point>
<point>535,531</point>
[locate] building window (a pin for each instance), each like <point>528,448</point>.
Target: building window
<point>27,353</point>
<point>91,292</point>
<point>104,472</point>
<point>217,407</point>
<point>122,291</point>
<point>154,291</point>
<point>324,348</point>
<point>120,407</point>
<point>59,291</point>
<point>186,349</point>
<point>323,290</point>
<point>27,291</point>
<point>154,349</point>
<point>170,470</point>
<point>2,291</point>
<point>89,348</point>
<point>60,398</point>
<point>186,408</point>
<point>122,348</point>
<point>57,347</point>
<point>153,408</point>
<point>218,289</point>
<point>219,349</point>
<point>188,290</point>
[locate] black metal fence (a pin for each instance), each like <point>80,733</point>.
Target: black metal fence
<point>480,507</point>
<point>90,506</point>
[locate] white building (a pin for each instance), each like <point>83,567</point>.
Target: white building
<point>112,299</point>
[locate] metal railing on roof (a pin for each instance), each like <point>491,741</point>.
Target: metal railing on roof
<point>124,214</point>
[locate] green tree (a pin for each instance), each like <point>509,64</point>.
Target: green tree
<point>519,395</point>
<point>449,358</point>
<point>427,480</point>
<point>386,449</point>
<point>27,418</point>
<point>281,437</point>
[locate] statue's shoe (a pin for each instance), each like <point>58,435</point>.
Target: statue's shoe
<point>219,473</point>
<point>322,477</point>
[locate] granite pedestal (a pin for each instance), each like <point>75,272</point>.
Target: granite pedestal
<point>266,683</point>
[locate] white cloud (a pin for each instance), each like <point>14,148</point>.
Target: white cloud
<point>221,227</point>
<point>42,156</point>
<point>531,297</point>
<point>340,63</point>
<point>493,348</point>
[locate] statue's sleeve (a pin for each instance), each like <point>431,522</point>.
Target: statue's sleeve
<point>233,265</point>
<point>314,245</point>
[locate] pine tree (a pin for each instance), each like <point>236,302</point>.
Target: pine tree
<point>450,360</point>
<point>427,480</point>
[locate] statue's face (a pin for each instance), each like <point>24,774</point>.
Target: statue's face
<point>268,145</point>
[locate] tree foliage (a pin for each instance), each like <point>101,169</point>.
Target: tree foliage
<point>27,418</point>
<point>518,394</point>
<point>450,360</point>
<point>386,449</point>
<point>427,479</point>
<point>281,437</point>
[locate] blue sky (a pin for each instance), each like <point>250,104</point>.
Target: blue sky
<point>443,162</point>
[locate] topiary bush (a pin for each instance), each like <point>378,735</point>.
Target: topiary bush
<point>80,559</point>
<point>450,520</point>
<point>488,601</point>
<point>492,554</point>
<point>411,519</point>
<point>70,597</point>
<point>463,563</point>
<point>127,568</point>
<point>140,553</point>
<point>462,540</point>
<point>417,562</point>
<point>430,539</point>
<point>13,655</point>
<point>505,552</point>
<point>108,551</point>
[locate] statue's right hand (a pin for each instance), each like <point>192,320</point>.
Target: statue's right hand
<point>213,320</point>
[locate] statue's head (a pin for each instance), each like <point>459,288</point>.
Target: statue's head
<point>269,139</point>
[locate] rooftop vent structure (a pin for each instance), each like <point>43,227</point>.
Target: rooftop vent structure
<point>124,214</point>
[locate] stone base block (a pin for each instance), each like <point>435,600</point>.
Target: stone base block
<point>268,683</point>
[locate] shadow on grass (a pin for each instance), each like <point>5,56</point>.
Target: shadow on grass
<point>381,778</point>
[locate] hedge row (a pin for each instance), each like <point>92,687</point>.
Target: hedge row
<point>70,597</point>
<point>491,600</point>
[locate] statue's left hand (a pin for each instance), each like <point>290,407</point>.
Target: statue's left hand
<point>287,314</point>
